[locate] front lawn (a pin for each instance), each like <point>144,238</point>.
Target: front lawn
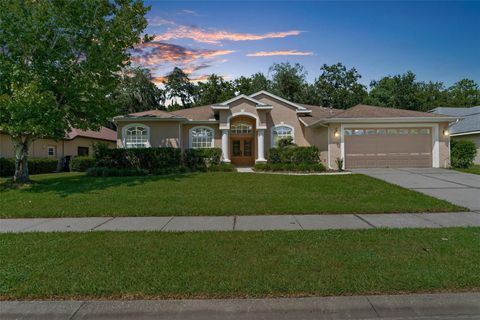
<point>237,264</point>
<point>475,169</point>
<point>75,195</point>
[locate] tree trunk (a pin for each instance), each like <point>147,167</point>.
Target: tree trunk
<point>21,146</point>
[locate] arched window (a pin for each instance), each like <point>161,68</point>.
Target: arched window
<point>241,128</point>
<point>201,137</point>
<point>281,132</point>
<point>137,136</point>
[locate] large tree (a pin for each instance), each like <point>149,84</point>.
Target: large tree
<point>59,62</point>
<point>214,90</point>
<point>136,92</point>
<point>179,90</point>
<point>252,84</point>
<point>338,87</point>
<point>288,81</point>
<point>464,93</point>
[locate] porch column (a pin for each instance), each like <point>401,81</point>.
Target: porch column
<point>225,145</point>
<point>261,145</point>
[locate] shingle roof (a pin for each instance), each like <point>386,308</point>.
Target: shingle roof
<point>469,123</point>
<point>366,111</point>
<point>318,113</point>
<point>154,113</point>
<point>202,113</point>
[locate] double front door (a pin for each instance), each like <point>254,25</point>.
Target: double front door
<point>242,151</point>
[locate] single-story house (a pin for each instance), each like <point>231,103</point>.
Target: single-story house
<point>246,127</point>
<point>76,143</point>
<point>467,128</point>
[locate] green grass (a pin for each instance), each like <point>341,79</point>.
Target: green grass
<point>475,169</point>
<point>238,264</point>
<point>57,195</point>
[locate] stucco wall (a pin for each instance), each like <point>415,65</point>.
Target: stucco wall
<point>475,138</point>
<point>162,134</point>
<point>334,145</point>
<point>186,140</point>
<point>444,146</point>
<point>39,148</point>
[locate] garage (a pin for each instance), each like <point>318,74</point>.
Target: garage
<point>388,147</point>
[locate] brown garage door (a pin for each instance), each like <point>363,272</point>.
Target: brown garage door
<point>388,147</point>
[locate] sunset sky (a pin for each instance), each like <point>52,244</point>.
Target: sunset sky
<point>439,41</point>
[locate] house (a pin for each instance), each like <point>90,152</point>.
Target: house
<point>76,143</point>
<point>246,127</point>
<point>468,128</point>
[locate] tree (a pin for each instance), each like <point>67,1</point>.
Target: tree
<point>338,87</point>
<point>136,92</point>
<point>464,93</point>
<point>252,84</point>
<point>214,90</point>
<point>59,62</point>
<point>178,87</point>
<point>431,95</point>
<point>399,91</point>
<point>288,81</point>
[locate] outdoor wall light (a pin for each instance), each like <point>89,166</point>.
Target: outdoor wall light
<point>446,133</point>
<point>337,134</point>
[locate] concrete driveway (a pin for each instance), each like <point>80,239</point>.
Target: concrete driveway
<point>459,188</point>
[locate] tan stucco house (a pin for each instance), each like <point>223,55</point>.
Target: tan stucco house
<point>246,127</point>
<point>76,143</point>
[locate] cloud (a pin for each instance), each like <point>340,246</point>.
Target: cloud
<point>159,21</point>
<point>280,53</point>
<point>215,37</point>
<point>188,12</point>
<point>153,53</point>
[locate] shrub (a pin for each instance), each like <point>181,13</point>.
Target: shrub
<point>290,167</point>
<point>462,153</point>
<point>81,164</point>
<point>294,154</point>
<point>150,159</point>
<point>7,167</point>
<point>42,165</point>
<point>202,159</point>
<point>285,142</point>
<point>222,167</point>
<point>339,162</point>
<point>115,172</point>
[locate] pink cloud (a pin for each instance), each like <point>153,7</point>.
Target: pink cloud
<point>280,53</point>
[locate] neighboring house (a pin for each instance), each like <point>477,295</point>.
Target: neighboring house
<point>467,128</point>
<point>245,127</point>
<point>76,143</point>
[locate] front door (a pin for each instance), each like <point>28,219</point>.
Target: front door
<point>242,151</point>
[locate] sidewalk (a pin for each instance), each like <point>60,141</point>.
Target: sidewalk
<point>244,223</point>
<point>416,306</point>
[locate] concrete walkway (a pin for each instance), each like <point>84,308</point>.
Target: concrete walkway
<point>459,306</point>
<point>459,188</point>
<point>244,223</point>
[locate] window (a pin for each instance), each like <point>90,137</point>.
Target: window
<point>281,132</point>
<point>403,131</point>
<point>201,137</point>
<point>51,151</point>
<point>392,132</point>
<point>82,151</point>
<point>241,128</point>
<point>413,131</point>
<point>137,136</point>
<point>381,131</point>
<point>424,131</point>
<point>370,131</point>
<point>358,132</point>
<point>347,132</point>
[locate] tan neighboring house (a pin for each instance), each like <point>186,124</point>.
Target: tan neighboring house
<point>76,143</point>
<point>467,127</point>
<point>246,127</point>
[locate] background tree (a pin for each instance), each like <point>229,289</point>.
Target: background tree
<point>59,62</point>
<point>464,93</point>
<point>178,88</point>
<point>288,81</point>
<point>338,87</point>
<point>431,95</point>
<point>214,90</point>
<point>136,92</point>
<point>252,84</point>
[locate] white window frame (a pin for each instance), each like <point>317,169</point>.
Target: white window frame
<point>190,142</point>
<point>124,133</point>
<point>272,136</point>
<point>54,148</point>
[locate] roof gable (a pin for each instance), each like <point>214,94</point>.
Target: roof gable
<point>298,106</point>
<point>239,97</point>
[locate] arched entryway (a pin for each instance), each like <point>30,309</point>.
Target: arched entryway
<point>242,141</point>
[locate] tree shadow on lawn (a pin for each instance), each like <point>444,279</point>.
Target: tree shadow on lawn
<point>65,185</point>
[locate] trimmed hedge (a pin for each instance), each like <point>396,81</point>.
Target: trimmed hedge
<point>294,154</point>
<point>222,167</point>
<point>81,164</point>
<point>202,159</point>
<point>35,166</point>
<point>290,167</point>
<point>462,153</point>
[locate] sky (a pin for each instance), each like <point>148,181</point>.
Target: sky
<point>439,41</point>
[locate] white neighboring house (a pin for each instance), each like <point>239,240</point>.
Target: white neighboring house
<point>467,128</point>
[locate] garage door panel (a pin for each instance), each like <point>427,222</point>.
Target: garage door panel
<point>399,147</point>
